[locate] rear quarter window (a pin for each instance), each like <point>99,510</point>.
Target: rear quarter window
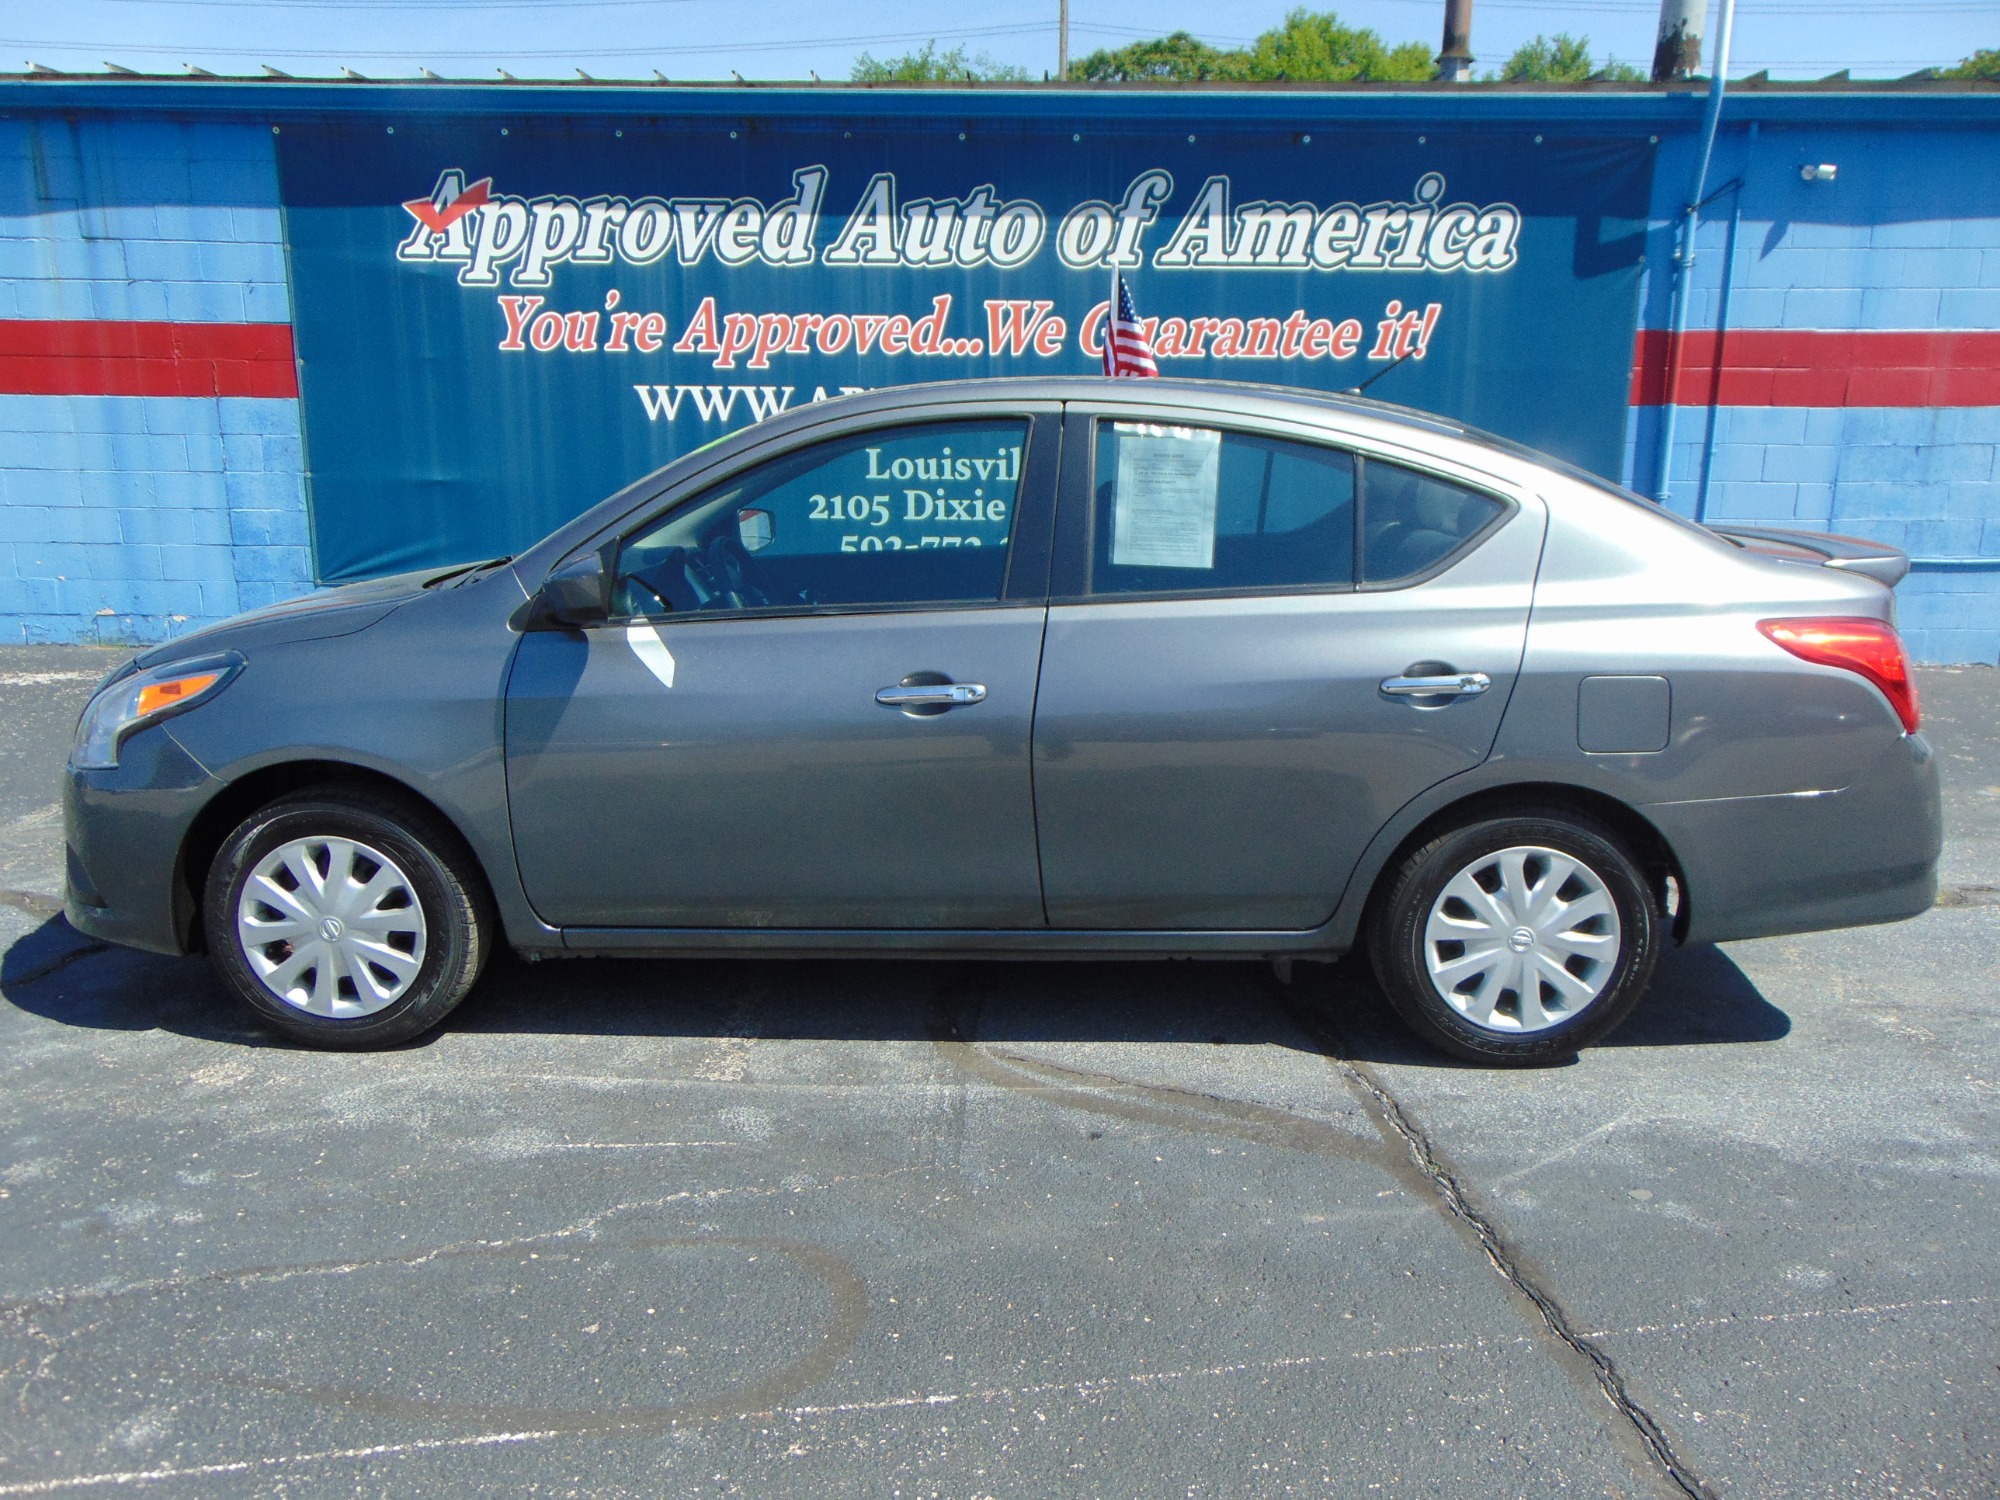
<point>1412,521</point>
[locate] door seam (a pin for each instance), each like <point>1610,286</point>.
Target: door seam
<point>1042,656</point>
<point>1034,799</point>
<point>507,781</point>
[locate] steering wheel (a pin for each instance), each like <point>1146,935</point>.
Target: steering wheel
<point>638,584</point>
<point>719,576</point>
<point>730,566</point>
<point>677,570</point>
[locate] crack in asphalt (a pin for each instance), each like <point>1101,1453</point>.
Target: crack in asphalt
<point>1968,895</point>
<point>953,1023</point>
<point>55,965</point>
<point>1505,1260</point>
<point>931,1400</point>
<point>34,903</point>
<point>41,904</point>
<point>1148,1103</point>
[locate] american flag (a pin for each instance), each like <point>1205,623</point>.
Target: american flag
<point>1128,353</point>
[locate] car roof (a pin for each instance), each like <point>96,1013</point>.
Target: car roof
<point>1243,398</point>
<point>1242,395</point>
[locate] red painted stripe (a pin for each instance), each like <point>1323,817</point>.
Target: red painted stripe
<point>1745,367</point>
<point>1811,367</point>
<point>99,357</point>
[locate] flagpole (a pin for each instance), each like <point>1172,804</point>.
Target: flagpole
<point>1111,317</point>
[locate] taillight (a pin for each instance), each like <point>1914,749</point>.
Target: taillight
<point>1867,647</point>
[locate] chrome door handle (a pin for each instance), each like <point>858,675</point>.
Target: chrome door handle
<point>933,695</point>
<point>1457,684</point>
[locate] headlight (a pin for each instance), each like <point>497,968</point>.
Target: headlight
<point>144,698</point>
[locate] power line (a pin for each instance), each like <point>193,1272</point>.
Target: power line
<point>1138,32</point>
<point>1803,11</point>
<point>363,51</point>
<point>1806,9</point>
<point>446,8</point>
<point>1752,64</point>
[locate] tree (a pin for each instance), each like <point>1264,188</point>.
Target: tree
<point>929,65</point>
<point>1179,58</point>
<point>1985,63</point>
<point>1313,45</point>
<point>1310,46</point>
<point>1563,58</point>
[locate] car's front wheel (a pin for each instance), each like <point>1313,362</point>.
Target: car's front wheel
<point>345,919</point>
<point>1517,939</point>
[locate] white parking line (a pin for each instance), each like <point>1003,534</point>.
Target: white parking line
<point>273,1461</point>
<point>944,1398</point>
<point>39,679</point>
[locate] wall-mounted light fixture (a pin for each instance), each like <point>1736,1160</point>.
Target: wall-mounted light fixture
<point>1825,171</point>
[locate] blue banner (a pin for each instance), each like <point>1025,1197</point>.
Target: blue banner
<point>500,323</point>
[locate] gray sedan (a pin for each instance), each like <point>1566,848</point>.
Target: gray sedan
<point>1014,668</point>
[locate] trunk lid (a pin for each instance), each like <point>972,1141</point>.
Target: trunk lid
<point>1850,554</point>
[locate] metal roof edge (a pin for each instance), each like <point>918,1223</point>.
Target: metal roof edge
<point>1902,102</point>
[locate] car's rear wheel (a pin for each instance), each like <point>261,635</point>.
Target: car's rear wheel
<point>346,920</point>
<point>1517,939</point>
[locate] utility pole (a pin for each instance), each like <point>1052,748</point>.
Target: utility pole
<point>1455,57</point>
<point>1690,221</point>
<point>1677,50</point>
<point>1062,45</point>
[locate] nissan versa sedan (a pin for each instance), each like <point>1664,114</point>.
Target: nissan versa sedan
<point>1028,668</point>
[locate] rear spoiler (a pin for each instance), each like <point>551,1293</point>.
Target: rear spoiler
<point>1851,554</point>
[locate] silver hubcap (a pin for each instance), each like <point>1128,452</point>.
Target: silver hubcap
<point>331,927</point>
<point>1522,939</point>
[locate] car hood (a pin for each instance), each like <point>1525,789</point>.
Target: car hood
<point>317,616</point>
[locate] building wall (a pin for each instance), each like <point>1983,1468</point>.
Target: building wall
<point>133,517</point>
<point>1905,240</point>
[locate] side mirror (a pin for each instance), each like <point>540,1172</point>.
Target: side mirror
<point>754,529</point>
<point>571,597</point>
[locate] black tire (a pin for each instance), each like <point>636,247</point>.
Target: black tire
<point>1400,916</point>
<point>458,921</point>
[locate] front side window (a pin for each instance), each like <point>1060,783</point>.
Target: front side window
<point>919,514</point>
<point>1195,508</point>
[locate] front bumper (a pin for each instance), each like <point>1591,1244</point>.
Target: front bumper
<point>1803,862</point>
<point>125,828</point>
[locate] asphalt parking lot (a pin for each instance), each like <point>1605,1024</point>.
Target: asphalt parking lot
<point>921,1229</point>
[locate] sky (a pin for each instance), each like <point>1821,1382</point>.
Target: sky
<point>794,39</point>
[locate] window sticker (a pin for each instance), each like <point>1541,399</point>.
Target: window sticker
<point>1163,498</point>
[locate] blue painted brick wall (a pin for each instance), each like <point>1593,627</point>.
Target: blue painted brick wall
<point>1906,237</point>
<point>131,518</point>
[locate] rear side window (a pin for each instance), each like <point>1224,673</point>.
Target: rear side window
<point>897,516</point>
<point>1413,521</point>
<point>1181,509</point>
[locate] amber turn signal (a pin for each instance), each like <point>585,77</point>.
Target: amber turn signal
<point>158,695</point>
